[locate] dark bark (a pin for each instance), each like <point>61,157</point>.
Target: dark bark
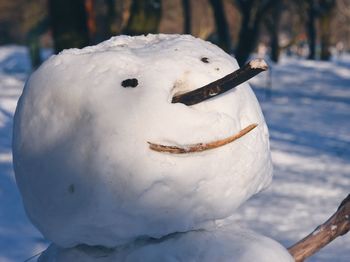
<point>222,85</point>
<point>91,19</point>
<point>311,28</point>
<point>222,28</point>
<point>248,38</point>
<point>108,18</point>
<point>113,18</point>
<point>272,23</point>
<point>275,48</point>
<point>326,11</point>
<point>186,6</point>
<point>144,17</point>
<point>68,23</point>
<point>325,36</point>
<point>252,14</point>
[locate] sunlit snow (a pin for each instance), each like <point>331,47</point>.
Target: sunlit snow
<point>307,109</point>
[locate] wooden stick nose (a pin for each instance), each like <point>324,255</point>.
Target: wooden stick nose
<point>222,85</point>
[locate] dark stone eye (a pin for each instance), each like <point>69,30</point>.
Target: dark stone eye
<point>132,82</point>
<point>205,60</point>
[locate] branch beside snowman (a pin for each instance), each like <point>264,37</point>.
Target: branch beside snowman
<point>337,225</point>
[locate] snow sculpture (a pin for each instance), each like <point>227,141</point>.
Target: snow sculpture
<point>227,243</point>
<point>88,125</point>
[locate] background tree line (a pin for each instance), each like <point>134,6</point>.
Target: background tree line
<point>240,27</point>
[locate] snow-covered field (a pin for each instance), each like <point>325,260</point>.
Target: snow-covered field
<point>307,108</point>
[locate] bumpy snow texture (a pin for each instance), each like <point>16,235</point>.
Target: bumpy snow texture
<point>81,158</point>
<point>226,243</point>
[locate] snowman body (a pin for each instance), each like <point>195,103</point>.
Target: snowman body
<point>221,242</point>
<point>81,157</point>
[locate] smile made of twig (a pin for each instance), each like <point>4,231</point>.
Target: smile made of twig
<point>199,147</point>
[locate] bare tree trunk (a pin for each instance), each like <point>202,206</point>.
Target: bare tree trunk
<point>325,36</point>
<point>114,16</point>
<point>275,48</point>
<point>272,22</point>
<point>91,19</point>
<point>69,24</point>
<point>186,6</point>
<point>109,18</point>
<point>144,17</point>
<point>252,14</point>
<point>311,28</point>
<point>222,27</point>
<point>326,12</point>
<point>248,37</point>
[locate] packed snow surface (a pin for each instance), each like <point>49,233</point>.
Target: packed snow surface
<point>81,158</point>
<point>224,243</point>
<point>311,161</point>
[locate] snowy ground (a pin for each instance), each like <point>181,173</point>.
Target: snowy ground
<point>18,238</point>
<point>307,108</point>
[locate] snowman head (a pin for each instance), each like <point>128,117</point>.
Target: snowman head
<point>88,122</point>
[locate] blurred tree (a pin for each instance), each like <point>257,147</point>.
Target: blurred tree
<point>311,7</point>
<point>109,18</point>
<point>186,6</point>
<point>116,17</point>
<point>340,26</point>
<point>222,28</point>
<point>33,41</point>
<point>272,23</point>
<point>326,11</point>
<point>172,21</point>
<point>91,19</point>
<point>252,12</point>
<point>34,25</point>
<point>145,16</point>
<point>344,7</point>
<point>68,23</point>
<point>320,11</point>
<point>292,25</point>
<point>10,21</point>
<point>203,24</point>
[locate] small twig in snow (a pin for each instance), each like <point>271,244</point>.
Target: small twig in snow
<point>200,146</point>
<point>222,85</point>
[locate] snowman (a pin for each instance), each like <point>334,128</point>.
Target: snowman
<point>138,149</point>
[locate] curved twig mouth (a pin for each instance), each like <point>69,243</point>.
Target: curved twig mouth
<point>199,147</point>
